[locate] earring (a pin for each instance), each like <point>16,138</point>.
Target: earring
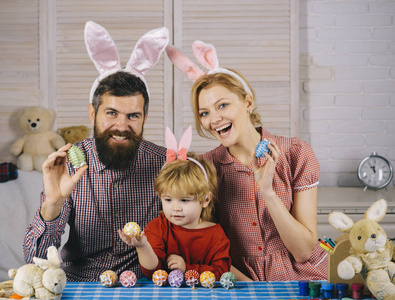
<point>250,111</point>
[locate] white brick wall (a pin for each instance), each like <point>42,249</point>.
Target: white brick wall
<point>347,74</point>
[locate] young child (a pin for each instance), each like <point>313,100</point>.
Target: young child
<point>183,237</point>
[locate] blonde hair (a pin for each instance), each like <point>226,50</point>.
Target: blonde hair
<point>182,178</point>
<point>227,81</point>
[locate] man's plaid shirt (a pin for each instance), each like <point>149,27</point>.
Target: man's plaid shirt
<point>102,202</point>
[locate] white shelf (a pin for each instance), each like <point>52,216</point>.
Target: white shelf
<point>353,202</point>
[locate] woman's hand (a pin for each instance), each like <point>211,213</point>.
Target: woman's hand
<point>176,262</point>
<point>264,174</point>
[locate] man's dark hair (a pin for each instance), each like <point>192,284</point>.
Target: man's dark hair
<point>120,84</point>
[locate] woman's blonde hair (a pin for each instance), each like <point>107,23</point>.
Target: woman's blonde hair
<point>182,178</point>
<point>227,81</point>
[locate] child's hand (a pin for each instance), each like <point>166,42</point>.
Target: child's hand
<point>176,262</point>
<point>140,241</point>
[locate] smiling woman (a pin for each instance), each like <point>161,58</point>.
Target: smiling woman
<point>267,205</point>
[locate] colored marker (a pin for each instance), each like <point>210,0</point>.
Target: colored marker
<point>325,247</point>
<point>328,240</point>
<point>325,244</point>
<point>333,243</point>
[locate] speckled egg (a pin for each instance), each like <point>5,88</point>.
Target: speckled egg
<point>131,228</point>
<point>228,280</point>
<point>109,278</point>
<point>76,157</point>
<point>128,278</point>
<point>207,279</point>
<point>192,278</point>
<point>262,148</point>
<point>159,277</point>
<point>176,277</point>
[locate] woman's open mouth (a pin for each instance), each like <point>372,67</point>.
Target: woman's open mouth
<point>224,129</point>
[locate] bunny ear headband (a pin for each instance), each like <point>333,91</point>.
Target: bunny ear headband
<point>207,56</point>
<point>179,151</point>
<point>104,54</point>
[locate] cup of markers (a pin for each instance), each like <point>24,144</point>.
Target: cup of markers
<point>327,243</point>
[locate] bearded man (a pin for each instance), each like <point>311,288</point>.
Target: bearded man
<point>115,187</point>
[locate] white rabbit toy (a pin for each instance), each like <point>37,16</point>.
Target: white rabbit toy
<point>43,280</point>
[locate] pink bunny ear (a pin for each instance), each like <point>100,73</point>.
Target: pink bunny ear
<point>184,64</point>
<point>171,142</point>
<point>205,54</point>
<point>186,139</point>
<point>147,51</point>
<point>101,48</point>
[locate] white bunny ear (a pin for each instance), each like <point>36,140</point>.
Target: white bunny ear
<point>205,54</point>
<point>147,51</point>
<point>171,142</point>
<point>186,139</point>
<point>101,48</point>
<point>184,64</point>
<point>53,256</point>
<point>41,262</point>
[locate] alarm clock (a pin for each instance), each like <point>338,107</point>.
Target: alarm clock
<point>375,172</point>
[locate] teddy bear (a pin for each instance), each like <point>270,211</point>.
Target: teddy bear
<point>371,253</point>
<point>39,141</point>
<point>74,134</point>
<point>43,280</point>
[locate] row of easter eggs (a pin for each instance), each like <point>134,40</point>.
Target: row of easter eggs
<point>175,278</point>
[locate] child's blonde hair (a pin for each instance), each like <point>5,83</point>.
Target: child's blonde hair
<point>182,178</point>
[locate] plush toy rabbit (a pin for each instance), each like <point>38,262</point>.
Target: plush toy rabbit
<point>372,254</point>
<point>43,280</point>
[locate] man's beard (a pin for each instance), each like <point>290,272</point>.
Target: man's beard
<point>116,156</point>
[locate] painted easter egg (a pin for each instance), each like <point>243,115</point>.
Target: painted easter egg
<point>76,157</point>
<point>128,278</point>
<point>176,277</point>
<point>262,148</point>
<point>109,278</point>
<point>192,278</point>
<point>207,279</point>
<point>131,228</point>
<point>159,277</point>
<point>228,280</point>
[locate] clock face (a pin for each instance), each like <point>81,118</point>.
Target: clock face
<point>375,172</point>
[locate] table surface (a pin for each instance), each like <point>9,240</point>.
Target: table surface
<point>147,290</point>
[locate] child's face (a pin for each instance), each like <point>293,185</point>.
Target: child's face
<point>184,212</point>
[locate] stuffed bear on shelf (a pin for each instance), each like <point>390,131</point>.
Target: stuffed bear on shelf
<point>371,253</point>
<point>39,141</point>
<point>74,134</point>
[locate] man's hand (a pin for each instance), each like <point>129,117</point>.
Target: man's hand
<point>58,184</point>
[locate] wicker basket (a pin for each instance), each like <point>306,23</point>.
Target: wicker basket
<point>6,289</point>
